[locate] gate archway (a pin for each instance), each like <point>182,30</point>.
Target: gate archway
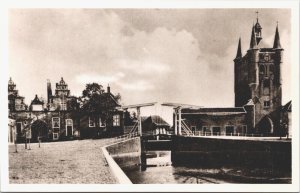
<point>266,126</point>
<point>39,129</point>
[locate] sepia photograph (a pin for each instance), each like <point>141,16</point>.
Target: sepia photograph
<point>196,96</point>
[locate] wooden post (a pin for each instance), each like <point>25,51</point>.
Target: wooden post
<point>15,140</point>
<point>29,145</point>
<point>179,121</point>
<point>139,120</point>
<point>175,117</point>
<point>25,143</point>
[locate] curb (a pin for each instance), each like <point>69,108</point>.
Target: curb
<point>115,168</point>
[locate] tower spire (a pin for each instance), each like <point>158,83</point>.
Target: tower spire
<point>253,43</point>
<point>239,50</point>
<point>277,39</point>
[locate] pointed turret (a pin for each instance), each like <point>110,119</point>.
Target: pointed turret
<point>257,30</point>
<point>277,44</point>
<point>239,50</point>
<point>253,43</point>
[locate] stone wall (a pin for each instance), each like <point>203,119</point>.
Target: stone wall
<point>216,152</point>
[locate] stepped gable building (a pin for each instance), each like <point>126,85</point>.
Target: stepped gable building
<point>258,94</point>
<point>59,117</point>
<point>61,100</point>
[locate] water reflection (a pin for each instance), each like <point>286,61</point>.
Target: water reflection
<point>156,168</point>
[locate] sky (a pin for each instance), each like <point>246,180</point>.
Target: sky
<point>146,55</point>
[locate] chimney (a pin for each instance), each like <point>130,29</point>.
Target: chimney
<point>108,89</point>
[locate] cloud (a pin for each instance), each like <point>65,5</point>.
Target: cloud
<point>142,67</point>
<point>102,79</point>
<point>169,55</point>
<point>139,85</point>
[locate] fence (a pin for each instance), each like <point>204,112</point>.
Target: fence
<point>123,137</point>
<point>201,133</point>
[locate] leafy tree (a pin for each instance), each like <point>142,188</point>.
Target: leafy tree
<point>96,102</point>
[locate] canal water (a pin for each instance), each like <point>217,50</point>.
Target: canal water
<point>159,170</point>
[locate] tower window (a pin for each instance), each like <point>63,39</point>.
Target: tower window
<point>266,104</point>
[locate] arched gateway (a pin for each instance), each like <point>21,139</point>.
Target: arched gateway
<point>39,129</point>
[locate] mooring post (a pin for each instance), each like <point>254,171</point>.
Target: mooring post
<point>29,145</point>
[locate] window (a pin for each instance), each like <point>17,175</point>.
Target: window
<point>266,87</point>
<point>92,122</point>
<point>55,122</point>
<point>69,127</point>
<point>55,136</point>
<point>266,104</point>
<point>69,122</point>
<point>116,120</point>
<point>262,69</point>
<point>63,106</point>
<point>101,123</point>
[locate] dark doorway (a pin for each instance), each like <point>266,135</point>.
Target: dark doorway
<point>266,126</point>
<point>216,130</point>
<point>229,130</point>
<point>39,129</point>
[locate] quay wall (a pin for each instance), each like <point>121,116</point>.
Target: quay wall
<point>126,153</point>
<point>218,152</point>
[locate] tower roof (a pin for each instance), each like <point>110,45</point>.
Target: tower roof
<point>253,43</point>
<point>239,50</point>
<point>277,39</point>
<point>257,25</point>
<point>62,82</point>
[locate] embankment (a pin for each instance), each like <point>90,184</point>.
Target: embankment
<point>122,154</point>
<point>218,152</point>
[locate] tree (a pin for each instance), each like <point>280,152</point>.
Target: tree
<point>95,102</point>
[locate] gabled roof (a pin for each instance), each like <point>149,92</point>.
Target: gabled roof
<point>158,121</point>
<point>287,107</point>
<point>36,101</point>
<point>112,97</point>
<point>250,102</point>
<point>153,122</point>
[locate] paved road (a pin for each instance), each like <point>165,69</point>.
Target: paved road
<point>68,162</point>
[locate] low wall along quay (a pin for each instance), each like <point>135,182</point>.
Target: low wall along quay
<point>217,152</point>
<point>122,154</point>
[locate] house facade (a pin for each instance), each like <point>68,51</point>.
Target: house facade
<point>59,117</point>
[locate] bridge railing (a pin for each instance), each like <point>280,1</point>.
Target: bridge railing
<point>209,133</point>
<point>123,137</point>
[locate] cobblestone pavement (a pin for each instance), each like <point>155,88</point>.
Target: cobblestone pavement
<point>68,162</point>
